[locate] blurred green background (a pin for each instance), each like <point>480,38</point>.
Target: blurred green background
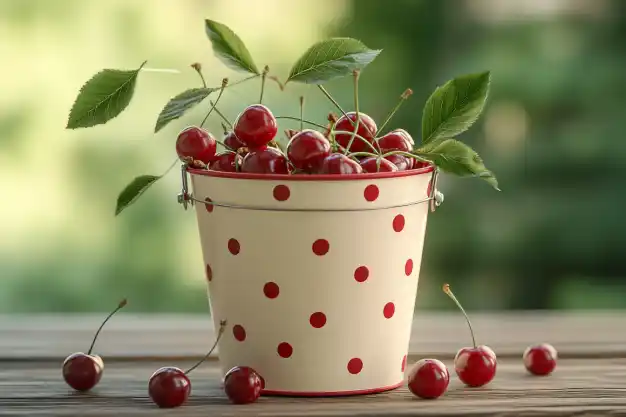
<point>552,132</point>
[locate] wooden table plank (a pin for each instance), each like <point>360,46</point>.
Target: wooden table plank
<point>578,387</point>
<point>596,334</point>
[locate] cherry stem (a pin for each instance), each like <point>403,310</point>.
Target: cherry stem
<point>361,138</point>
<point>407,154</point>
<point>93,342</point>
<point>224,85</point>
<point>449,293</point>
<point>228,123</point>
<point>302,120</point>
<point>327,94</point>
<point>363,154</point>
<point>263,76</point>
<point>356,109</point>
<point>196,66</point>
<point>301,113</point>
<point>407,93</point>
<point>217,339</point>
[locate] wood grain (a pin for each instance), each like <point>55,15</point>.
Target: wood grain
<point>133,337</point>
<point>578,387</point>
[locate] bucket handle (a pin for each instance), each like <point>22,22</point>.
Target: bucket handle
<point>186,199</point>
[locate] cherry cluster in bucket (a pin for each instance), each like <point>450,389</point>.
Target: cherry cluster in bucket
<point>251,147</point>
<point>475,366</point>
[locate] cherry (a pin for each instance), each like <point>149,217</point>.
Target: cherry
<point>377,164</point>
<point>420,164</point>
<point>169,386</point>
<point>429,378</point>
<point>396,140</point>
<point>367,130</point>
<point>243,385</point>
<point>475,366</point>
<point>265,161</point>
<point>256,126</point>
<point>196,143</point>
<point>540,359</point>
<point>338,163</point>
<point>227,161</point>
<point>402,162</point>
<point>231,141</point>
<point>307,149</point>
<point>83,371</point>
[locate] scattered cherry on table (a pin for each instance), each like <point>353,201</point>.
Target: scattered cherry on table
<point>428,379</point>
<point>243,385</point>
<point>169,386</point>
<point>83,371</point>
<point>540,359</point>
<point>476,365</point>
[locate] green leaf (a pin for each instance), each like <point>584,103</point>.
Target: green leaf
<point>332,58</point>
<point>134,190</point>
<point>103,97</point>
<point>178,105</point>
<point>455,106</point>
<point>459,159</point>
<point>229,47</point>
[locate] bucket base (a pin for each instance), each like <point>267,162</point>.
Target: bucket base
<point>271,393</point>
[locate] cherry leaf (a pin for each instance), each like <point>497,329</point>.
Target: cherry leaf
<point>454,107</point>
<point>103,97</point>
<point>332,58</point>
<point>134,190</point>
<point>180,104</point>
<point>457,158</point>
<point>229,48</point>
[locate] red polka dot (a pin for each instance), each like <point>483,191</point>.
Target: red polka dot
<point>361,274</point>
<point>408,267</point>
<point>398,223</point>
<point>321,247</point>
<point>239,332</point>
<point>318,319</point>
<point>281,192</point>
<point>371,192</point>
<point>403,363</point>
<point>284,350</point>
<point>208,207</point>
<point>389,310</point>
<point>429,188</point>
<point>271,290</point>
<point>209,272</point>
<point>233,246</point>
<point>355,365</point>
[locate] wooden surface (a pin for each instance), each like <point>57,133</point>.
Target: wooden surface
<point>591,381</point>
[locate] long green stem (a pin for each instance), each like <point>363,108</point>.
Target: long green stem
<point>303,120</point>
<point>407,154</point>
<point>361,138</point>
<point>228,123</point>
<point>356,109</point>
<point>263,76</point>
<point>217,339</point>
<point>407,93</point>
<point>93,342</point>
<point>198,67</point>
<point>301,113</point>
<point>224,85</point>
<point>327,94</point>
<point>449,293</point>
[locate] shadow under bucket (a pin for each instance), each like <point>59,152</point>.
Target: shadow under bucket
<point>315,275</point>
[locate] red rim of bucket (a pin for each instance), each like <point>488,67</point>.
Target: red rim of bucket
<point>313,177</point>
<point>331,393</point>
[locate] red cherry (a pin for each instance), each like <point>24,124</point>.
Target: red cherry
<point>196,143</point>
<point>429,378</point>
<point>475,366</point>
<point>231,141</point>
<point>169,387</point>
<point>396,140</point>
<point>265,161</point>
<point>256,126</point>
<point>377,164</point>
<point>338,163</point>
<point>243,385</point>
<point>367,130</point>
<point>83,371</point>
<point>226,162</point>
<point>540,359</point>
<point>402,162</point>
<point>420,164</point>
<point>307,149</point>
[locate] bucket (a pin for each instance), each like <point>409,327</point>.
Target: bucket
<point>315,275</point>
